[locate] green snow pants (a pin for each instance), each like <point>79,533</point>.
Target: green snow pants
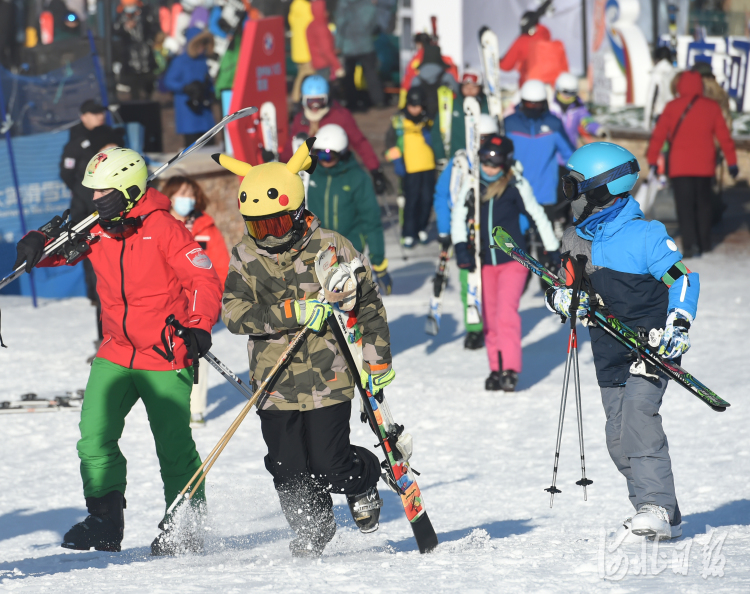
<point>111,392</point>
<point>463,274</point>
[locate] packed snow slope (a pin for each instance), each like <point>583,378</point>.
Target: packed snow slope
<point>484,460</point>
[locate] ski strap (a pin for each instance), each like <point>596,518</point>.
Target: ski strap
<point>172,325</point>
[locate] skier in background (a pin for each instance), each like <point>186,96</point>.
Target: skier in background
<point>318,109</point>
<point>342,196</point>
<point>503,279</point>
<point>659,91</point>
<point>421,41</point>
<point>300,17</point>
<point>324,59</point>
<point>189,204</point>
<point>146,262</point>
<point>691,123</point>
<point>135,29</point>
<point>539,138</point>
<point>433,73</point>
<point>305,413</point>
<point>635,273</point>
<point>409,146</point>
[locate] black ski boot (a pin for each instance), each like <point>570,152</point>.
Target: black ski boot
<point>310,544</point>
<point>474,341</point>
<point>103,528</point>
<point>492,383</point>
<point>308,507</point>
<point>508,381</point>
<point>179,538</point>
<point>365,509</point>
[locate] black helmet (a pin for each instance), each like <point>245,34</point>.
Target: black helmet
<point>415,96</point>
<point>497,151</point>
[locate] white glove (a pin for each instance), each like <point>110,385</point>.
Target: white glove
<point>342,280</point>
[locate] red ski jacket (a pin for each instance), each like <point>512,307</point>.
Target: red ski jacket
<point>517,56</point>
<point>319,37</point>
<point>145,277</point>
<point>692,152</point>
<point>208,236</point>
<point>343,117</point>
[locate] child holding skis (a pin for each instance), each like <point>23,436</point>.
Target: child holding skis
<point>636,273</point>
<point>503,280</point>
<point>271,293</point>
<point>146,263</point>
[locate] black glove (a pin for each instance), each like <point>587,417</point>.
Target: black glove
<point>30,249</point>
<point>444,239</point>
<point>653,169</point>
<point>201,339</point>
<point>464,257</point>
<point>551,261</point>
<point>198,99</point>
<point>733,171</point>
<point>379,181</point>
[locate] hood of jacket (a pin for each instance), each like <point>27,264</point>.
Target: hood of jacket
<point>690,84</point>
<point>319,10</point>
<point>630,211</point>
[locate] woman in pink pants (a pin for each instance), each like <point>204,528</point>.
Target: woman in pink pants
<point>503,279</point>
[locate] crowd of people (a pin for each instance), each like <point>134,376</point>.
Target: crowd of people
<point>534,181</point>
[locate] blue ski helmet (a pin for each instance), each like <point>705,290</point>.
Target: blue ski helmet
<point>315,85</point>
<point>600,170</point>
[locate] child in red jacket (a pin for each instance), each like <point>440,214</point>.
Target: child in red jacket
<point>146,264</point>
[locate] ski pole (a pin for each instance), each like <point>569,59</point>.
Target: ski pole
<point>584,482</point>
<point>83,227</point>
<point>200,474</point>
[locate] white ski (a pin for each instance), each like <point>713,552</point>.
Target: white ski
<point>474,294</point>
<point>297,142</point>
<point>490,57</point>
<point>268,128</point>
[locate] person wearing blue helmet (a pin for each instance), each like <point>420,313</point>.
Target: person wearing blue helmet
<point>319,110</point>
<point>635,272</point>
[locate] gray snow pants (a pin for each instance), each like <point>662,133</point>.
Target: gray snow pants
<point>637,443</point>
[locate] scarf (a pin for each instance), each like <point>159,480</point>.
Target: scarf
<point>588,227</point>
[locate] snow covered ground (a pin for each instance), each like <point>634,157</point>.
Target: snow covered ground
<point>484,459</point>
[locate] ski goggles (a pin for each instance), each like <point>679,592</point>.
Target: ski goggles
<point>276,225</point>
<point>574,184</point>
<point>319,102</point>
<point>470,78</point>
<point>494,158</point>
<point>326,155</point>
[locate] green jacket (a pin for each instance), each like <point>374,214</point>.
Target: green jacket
<point>343,198</point>
<point>258,301</point>
<point>458,126</point>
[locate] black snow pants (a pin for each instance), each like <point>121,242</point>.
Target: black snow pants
<point>310,456</point>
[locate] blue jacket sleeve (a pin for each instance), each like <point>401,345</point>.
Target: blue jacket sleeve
<point>442,202</point>
<point>173,79</point>
<point>662,254</point>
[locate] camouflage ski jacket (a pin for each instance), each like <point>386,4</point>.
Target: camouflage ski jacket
<point>258,301</point>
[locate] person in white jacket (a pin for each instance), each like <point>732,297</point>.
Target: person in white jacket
<point>659,91</point>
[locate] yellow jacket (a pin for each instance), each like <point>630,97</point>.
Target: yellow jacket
<point>418,155</point>
<point>300,16</point>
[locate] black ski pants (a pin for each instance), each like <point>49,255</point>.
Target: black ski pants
<point>693,199</point>
<point>419,189</point>
<point>369,63</point>
<point>310,456</point>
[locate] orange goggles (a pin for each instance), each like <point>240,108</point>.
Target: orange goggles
<point>277,226</point>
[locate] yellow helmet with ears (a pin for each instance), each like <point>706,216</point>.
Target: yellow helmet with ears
<point>271,188</point>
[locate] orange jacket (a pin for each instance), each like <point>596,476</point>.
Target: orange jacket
<point>519,56</point>
<point>208,236</point>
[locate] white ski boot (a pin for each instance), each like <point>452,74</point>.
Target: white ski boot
<point>624,534</point>
<point>653,521</point>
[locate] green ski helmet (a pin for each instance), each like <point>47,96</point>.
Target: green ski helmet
<point>120,169</point>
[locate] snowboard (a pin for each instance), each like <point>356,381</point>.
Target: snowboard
<point>474,292</point>
<point>445,116</point>
<point>615,328</point>
<point>395,443</point>
<point>268,128</point>
<point>490,58</point>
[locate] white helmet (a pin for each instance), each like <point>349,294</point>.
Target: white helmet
<point>331,137</point>
<point>567,83</point>
<point>488,124</point>
<point>472,76</point>
<point>533,90</point>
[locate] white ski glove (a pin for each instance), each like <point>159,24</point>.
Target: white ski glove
<point>341,285</point>
<point>673,341</point>
<point>558,301</point>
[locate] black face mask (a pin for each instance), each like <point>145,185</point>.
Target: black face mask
<point>111,205</point>
<point>533,113</point>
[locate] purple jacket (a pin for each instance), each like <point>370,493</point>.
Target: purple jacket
<point>576,114</point>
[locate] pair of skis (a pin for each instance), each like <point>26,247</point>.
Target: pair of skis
<point>69,240</point>
<point>396,444</point>
<point>629,338</point>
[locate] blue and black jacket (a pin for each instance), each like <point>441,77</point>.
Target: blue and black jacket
<point>630,260</point>
<point>537,143</point>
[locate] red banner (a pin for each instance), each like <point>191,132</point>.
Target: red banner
<point>260,77</point>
